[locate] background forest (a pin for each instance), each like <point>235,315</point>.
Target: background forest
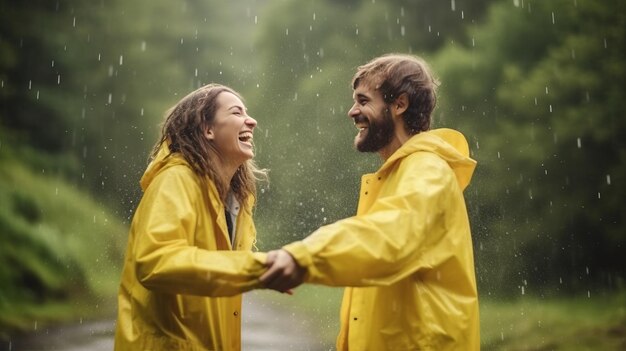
<point>536,86</point>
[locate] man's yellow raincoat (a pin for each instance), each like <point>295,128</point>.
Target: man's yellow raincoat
<point>407,254</point>
<point>181,276</point>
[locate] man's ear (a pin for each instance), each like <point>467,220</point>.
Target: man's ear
<point>400,105</point>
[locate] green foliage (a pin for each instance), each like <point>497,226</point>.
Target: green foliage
<point>58,246</point>
<point>539,99</point>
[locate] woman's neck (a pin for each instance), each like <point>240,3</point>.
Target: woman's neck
<point>225,172</point>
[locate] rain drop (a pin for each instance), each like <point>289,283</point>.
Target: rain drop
<point>608,179</point>
<point>578,142</point>
<point>121,60</point>
<point>143,45</point>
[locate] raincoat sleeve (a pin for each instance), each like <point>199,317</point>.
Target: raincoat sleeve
<point>411,229</point>
<point>167,259</point>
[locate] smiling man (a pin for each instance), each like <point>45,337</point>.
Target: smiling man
<point>406,257</point>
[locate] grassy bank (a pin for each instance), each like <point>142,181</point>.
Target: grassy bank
<point>596,322</point>
<point>60,251</point>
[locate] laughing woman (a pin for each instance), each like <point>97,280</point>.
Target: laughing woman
<point>189,248</point>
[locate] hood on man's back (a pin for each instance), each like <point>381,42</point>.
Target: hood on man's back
<point>162,161</point>
<point>449,144</point>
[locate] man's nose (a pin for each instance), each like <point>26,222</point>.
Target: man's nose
<point>354,111</point>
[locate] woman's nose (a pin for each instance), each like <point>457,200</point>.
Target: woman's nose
<point>251,122</point>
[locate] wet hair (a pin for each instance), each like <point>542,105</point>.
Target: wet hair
<point>397,74</point>
<point>184,132</point>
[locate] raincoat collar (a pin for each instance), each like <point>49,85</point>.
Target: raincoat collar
<point>163,160</point>
<point>448,144</point>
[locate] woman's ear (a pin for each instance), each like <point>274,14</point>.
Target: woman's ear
<point>209,134</point>
<point>401,104</point>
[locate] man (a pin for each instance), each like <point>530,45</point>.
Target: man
<point>406,257</point>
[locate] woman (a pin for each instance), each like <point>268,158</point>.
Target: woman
<point>188,257</point>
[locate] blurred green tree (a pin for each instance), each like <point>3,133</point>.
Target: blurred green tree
<point>539,93</point>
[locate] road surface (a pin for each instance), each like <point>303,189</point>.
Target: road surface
<point>265,327</point>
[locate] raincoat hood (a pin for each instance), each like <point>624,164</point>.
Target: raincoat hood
<point>163,160</point>
<point>449,144</point>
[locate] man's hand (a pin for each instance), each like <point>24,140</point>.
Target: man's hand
<point>283,273</point>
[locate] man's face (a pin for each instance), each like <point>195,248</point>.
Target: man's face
<point>372,118</point>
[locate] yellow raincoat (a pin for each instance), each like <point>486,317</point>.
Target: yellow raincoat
<point>407,255</point>
<point>181,280</point>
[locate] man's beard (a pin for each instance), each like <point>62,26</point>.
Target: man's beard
<point>379,132</point>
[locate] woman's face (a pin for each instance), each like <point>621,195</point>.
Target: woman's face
<point>232,130</point>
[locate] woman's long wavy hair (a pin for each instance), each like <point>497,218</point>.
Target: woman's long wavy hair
<point>184,133</point>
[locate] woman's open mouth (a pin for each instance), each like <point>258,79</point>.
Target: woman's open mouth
<point>246,137</point>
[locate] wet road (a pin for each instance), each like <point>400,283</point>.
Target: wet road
<point>265,327</point>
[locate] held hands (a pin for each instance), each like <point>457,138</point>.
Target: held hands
<point>283,273</point>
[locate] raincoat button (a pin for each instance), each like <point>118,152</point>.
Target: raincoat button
<point>366,193</point>
<point>236,313</point>
<point>355,318</point>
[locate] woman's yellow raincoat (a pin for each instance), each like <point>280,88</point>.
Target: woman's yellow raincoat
<point>182,278</point>
<point>407,254</point>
